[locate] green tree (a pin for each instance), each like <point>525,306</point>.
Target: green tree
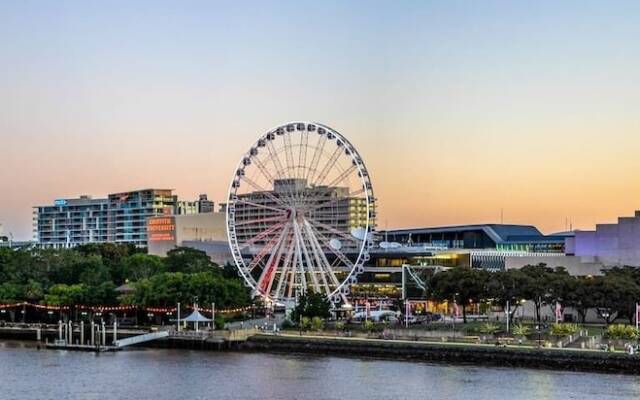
<point>536,285</point>
<point>141,266</point>
<point>462,285</point>
<point>188,260</point>
<point>311,305</point>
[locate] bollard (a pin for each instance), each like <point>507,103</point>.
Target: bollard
<point>93,334</point>
<point>115,332</point>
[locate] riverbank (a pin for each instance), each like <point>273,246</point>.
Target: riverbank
<point>403,350</point>
<point>450,353</point>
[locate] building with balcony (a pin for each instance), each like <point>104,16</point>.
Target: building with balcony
<point>71,222</point>
<point>128,213</point>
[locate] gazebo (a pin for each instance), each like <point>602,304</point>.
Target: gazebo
<point>196,318</point>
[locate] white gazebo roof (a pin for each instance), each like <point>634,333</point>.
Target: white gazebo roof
<point>196,317</point>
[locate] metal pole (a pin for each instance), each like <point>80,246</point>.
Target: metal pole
<point>508,315</point>
<point>213,316</point>
<point>115,331</point>
<point>178,311</point>
<point>82,332</point>
<point>195,307</point>
<point>60,330</point>
<point>104,334</point>
<point>93,333</point>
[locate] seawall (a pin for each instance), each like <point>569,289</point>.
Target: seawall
<point>559,359</point>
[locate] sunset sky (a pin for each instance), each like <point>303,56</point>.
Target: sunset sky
<point>458,108</point>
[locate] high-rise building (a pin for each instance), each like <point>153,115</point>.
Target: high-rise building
<point>120,218</point>
<point>71,222</point>
<point>128,213</point>
<point>200,206</point>
<point>205,205</point>
<point>258,210</point>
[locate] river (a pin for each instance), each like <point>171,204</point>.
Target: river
<point>157,374</point>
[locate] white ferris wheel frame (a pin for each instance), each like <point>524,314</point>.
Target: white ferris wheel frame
<point>342,288</point>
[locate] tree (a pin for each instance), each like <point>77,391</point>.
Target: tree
<point>506,287</point>
<point>462,285</point>
<point>141,266</point>
<point>536,285</point>
<point>66,295</point>
<point>188,260</point>
<point>311,305</point>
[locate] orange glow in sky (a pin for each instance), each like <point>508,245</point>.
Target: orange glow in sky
<point>458,111</point>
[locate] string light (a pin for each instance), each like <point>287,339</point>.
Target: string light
<point>102,309</point>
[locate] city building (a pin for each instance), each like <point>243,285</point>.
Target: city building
<point>128,213</point>
<point>590,252</point>
<point>201,206</point>
<point>71,222</point>
<point>119,218</point>
<point>344,214</point>
<point>501,237</point>
<point>204,231</point>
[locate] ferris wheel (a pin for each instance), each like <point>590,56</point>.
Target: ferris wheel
<point>300,214</point>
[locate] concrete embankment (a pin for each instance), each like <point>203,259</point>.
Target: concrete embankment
<point>561,359</point>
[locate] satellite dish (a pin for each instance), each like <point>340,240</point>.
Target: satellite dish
<point>335,244</point>
<point>359,233</point>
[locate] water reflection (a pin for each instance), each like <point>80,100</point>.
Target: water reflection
<point>26,373</point>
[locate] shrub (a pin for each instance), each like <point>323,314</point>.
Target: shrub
<point>521,330</point>
<point>317,323</point>
<point>489,328</point>
<point>219,322</point>
<point>340,326</point>
<point>305,323</point>
<point>564,329</point>
<point>621,331</point>
<point>367,325</point>
<point>287,324</point>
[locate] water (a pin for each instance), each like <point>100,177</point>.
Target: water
<point>26,373</point>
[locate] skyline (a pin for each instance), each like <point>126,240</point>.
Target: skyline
<point>459,110</point>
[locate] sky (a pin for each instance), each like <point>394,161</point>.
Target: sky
<point>459,109</point>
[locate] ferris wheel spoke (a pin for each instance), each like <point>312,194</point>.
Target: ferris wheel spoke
<point>343,176</point>
<point>263,169</point>
<point>319,256</point>
<point>264,192</point>
<point>322,255</point>
<point>341,256</point>
<point>302,275</point>
<point>277,218</point>
<point>322,204</point>
<point>273,155</point>
<point>262,235</point>
<point>251,203</point>
<point>319,148</point>
<point>266,249</point>
<point>288,153</point>
<point>327,167</point>
<point>333,230</point>
<point>302,156</point>
<point>268,273</point>
<point>285,268</point>
<point>305,254</point>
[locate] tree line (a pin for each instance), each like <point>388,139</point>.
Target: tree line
<point>613,295</point>
<point>90,274</point>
